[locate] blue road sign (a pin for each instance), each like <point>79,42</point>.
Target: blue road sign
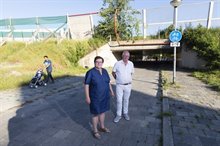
<point>175,36</point>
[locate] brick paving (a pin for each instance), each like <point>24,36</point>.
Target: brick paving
<point>195,110</point>
<point>57,115</point>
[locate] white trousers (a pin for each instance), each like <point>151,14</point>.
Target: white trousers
<point>123,94</point>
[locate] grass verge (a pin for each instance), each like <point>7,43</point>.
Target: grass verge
<point>19,61</point>
<point>209,77</point>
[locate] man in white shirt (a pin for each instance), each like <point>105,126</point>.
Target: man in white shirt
<point>122,72</point>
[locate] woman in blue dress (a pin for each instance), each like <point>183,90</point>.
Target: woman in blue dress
<point>97,91</point>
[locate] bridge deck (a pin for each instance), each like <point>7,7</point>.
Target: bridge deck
<point>140,45</point>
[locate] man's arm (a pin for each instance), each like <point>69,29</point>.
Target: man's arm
<point>132,72</point>
<point>114,75</point>
<point>46,64</point>
<point>114,70</point>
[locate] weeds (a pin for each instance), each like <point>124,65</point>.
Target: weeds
<point>165,114</point>
<point>209,77</point>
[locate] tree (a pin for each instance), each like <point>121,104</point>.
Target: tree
<point>118,20</point>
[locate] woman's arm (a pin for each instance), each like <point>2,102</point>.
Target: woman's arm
<point>88,101</point>
<point>111,90</point>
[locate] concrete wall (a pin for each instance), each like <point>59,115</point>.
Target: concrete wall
<point>104,52</point>
<point>189,59</point>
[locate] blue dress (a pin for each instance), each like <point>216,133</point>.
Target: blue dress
<point>98,90</point>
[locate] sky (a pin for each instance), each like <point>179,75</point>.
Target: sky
<point>39,8</point>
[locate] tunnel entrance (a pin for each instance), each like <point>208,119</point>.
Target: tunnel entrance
<point>151,58</point>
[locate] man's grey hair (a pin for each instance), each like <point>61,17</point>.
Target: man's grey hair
<point>125,52</point>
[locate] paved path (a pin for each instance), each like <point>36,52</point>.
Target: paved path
<point>195,110</point>
<point>16,97</point>
<point>57,115</point>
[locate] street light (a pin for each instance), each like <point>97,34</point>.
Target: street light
<point>175,4</point>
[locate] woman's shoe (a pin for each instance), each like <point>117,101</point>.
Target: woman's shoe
<point>96,135</point>
<point>106,130</point>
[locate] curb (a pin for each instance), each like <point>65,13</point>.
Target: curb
<point>166,120</point>
<point>167,129</point>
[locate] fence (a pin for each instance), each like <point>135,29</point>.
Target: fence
<point>41,28</point>
<point>203,13</point>
<point>36,28</point>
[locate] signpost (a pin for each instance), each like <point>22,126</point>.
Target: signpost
<point>175,44</point>
<point>175,36</point>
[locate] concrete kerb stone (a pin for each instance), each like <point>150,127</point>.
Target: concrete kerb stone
<point>166,126</point>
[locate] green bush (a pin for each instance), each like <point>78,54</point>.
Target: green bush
<point>164,33</point>
<point>96,42</point>
<point>206,42</point>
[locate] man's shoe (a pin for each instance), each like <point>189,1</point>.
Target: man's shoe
<point>117,119</point>
<point>126,116</point>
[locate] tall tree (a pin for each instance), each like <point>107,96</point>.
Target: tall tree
<point>118,20</point>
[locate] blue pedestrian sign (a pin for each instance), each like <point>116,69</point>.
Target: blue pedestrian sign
<point>175,36</point>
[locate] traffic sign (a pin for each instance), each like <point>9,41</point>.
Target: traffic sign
<point>175,36</point>
<point>175,44</point>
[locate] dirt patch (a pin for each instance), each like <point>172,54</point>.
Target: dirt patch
<point>15,73</point>
<point>5,65</point>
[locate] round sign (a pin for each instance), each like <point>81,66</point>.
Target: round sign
<point>175,36</point>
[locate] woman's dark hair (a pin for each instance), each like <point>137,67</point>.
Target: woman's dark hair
<point>98,57</point>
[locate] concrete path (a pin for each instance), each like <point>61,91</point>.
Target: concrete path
<point>57,115</point>
<point>16,97</point>
<point>195,111</point>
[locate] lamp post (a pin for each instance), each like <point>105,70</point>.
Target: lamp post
<point>175,4</point>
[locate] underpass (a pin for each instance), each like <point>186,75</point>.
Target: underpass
<point>140,51</point>
<point>143,50</point>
